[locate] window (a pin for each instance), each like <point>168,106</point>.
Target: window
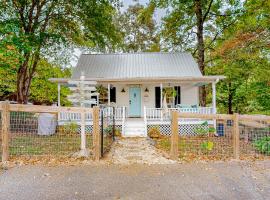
<point>177,99</point>
<point>113,94</point>
<point>157,97</point>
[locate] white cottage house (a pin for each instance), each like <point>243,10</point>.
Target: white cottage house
<point>136,83</point>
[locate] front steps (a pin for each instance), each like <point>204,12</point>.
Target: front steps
<point>134,128</point>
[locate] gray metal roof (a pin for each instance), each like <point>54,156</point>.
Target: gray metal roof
<point>136,65</point>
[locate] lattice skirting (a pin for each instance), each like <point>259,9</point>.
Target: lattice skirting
<point>184,129</point>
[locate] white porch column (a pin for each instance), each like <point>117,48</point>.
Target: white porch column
<point>161,90</point>
<point>109,94</point>
<point>214,97</point>
<point>214,104</point>
<point>58,94</point>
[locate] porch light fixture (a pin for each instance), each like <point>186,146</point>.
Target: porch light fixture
<point>123,90</point>
<point>146,90</point>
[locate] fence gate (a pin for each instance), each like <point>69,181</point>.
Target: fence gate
<point>107,128</point>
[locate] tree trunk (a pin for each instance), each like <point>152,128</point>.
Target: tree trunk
<point>24,78</point>
<point>200,46</point>
<point>230,98</point>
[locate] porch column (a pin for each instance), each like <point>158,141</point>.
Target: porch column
<point>58,94</point>
<point>109,94</point>
<point>161,89</point>
<point>214,104</point>
<point>214,97</point>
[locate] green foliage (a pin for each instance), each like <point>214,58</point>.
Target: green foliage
<point>205,130</point>
<point>45,92</point>
<point>70,128</point>
<point>138,29</point>
<point>103,93</point>
<point>31,31</point>
<point>108,130</point>
<point>263,145</point>
<point>207,146</point>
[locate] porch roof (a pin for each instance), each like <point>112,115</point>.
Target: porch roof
<point>189,79</point>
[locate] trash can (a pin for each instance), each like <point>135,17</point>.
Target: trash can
<point>46,124</point>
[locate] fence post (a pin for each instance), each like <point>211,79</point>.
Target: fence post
<point>83,136</point>
<point>5,131</point>
<point>174,136</point>
<point>113,128</point>
<point>236,137</point>
<point>96,134</point>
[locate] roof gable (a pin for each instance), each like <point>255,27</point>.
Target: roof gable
<point>136,65</point>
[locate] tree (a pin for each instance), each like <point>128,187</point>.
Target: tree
<point>194,25</point>
<point>45,92</point>
<point>242,55</point>
<point>48,26</point>
<point>139,34</point>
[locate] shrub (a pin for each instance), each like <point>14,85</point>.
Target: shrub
<point>205,131</point>
<point>263,145</point>
<point>207,146</point>
<point>69,128</point>
<point>154,133</point>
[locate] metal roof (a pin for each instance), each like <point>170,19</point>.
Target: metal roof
<point>136,65</point>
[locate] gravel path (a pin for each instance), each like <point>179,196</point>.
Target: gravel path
<point>136,151</point>
<point>228,180</point>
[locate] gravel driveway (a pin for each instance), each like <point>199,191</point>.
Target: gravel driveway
<point>229,180</point>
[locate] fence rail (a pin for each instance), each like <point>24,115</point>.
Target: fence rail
<point>22,131</point>
<point>236,141</point>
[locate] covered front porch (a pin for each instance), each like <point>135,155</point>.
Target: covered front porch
<point>145,99</point>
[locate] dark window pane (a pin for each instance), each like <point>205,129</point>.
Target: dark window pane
<point>113,94</point>
<point>157,97</point>
<point>178,95</point>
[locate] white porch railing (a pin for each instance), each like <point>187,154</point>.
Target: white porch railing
<point>119,115</point>
<point>160,114</point>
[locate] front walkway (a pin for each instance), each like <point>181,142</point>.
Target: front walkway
<point>136,151</point>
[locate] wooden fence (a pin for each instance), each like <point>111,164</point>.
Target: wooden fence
<point>6,108</point>
<point>236,118</point>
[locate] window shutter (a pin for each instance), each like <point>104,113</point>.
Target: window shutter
<point>177,99</point>
<point>113,94</point>
<point>157,97</point>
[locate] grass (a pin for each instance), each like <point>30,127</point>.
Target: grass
<point>57,144</point>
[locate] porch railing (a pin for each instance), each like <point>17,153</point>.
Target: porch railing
<point>119,115</point>
<point>161,114</point>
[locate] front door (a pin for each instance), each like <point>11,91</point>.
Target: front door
<point>134,102</point>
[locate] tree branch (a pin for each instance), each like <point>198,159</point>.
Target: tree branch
<point>208,10</point>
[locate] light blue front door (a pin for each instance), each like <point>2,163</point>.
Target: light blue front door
<point>134,102</point>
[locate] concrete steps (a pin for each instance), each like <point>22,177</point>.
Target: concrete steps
<point>134,128</point>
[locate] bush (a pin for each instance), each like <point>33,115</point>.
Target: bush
<point>154,133</point>
<point>207,146</point>
<point>69,128</point>
<point>263,145</point>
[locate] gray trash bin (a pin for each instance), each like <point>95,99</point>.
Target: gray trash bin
<point>46,124</point>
